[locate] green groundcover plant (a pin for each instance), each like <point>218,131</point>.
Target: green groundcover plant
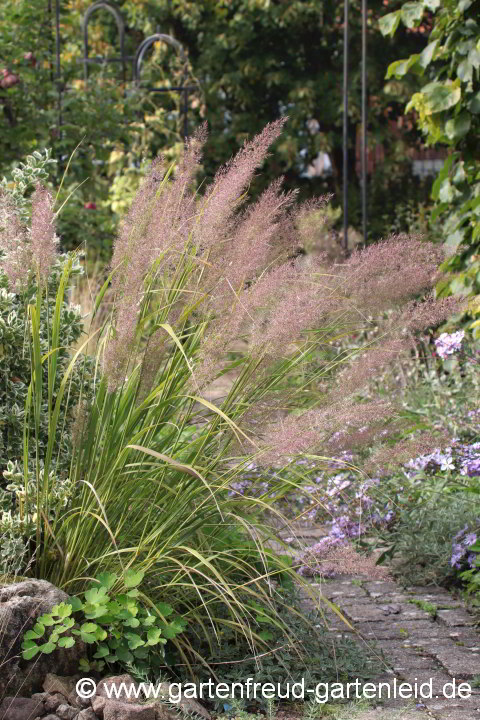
<point>120,627</point>
<point>200,289</point>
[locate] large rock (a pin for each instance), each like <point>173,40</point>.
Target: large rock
<point>21,708</point>
<point>20,604</point>
<point>189,706</point>
<point>122,684</point>
<point>117,710</point>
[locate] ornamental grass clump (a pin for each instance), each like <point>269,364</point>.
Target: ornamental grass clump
<point>154,459</point>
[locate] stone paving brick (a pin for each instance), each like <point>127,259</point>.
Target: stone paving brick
<point>459,662</point>
<point>430,678</point>
<point>380,587</point>
<point>343,588</point>
<point>399,630</point>
<point>408,660</point>
<point>455,618</point>
<point>368,612</point>
<point>464,636</point>
<point>457,714</point>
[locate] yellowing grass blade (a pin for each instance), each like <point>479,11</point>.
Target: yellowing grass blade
<point>168,329</point>
<point>217,410</point>
<point>178,466</point>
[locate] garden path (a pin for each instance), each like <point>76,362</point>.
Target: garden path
<point>422,634</point>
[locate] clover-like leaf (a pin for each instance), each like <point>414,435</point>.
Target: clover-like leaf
<point>66,642</point>
<point>134,641</point>
<point>47,648</point>
<point>107,579</point>
<point>132,622</point>
<point>30,652</point>
<point>66,625</point>
<point>124,655</point>
<point>164,609</point>
<point>141,653</point>
<point>102,652</point>
<point>38,630</point>
<point>100,634</point>
<point>149,620</point>
<point>46,620</point>
<point>88,627</point>
<point>93,611</point>
<point>153,636</point>
<point>76,604</point>
<point>32,635</point>
<point>132,578</point>
<point>62,610</point>
<point>97,595</point>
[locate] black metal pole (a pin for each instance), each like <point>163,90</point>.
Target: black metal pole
<point>185,114</point>
<point>364,119</point>
<point>58,69</point>
<point>345,128</point>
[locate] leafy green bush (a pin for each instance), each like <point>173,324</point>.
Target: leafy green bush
<point>447,111</point>
<point>23,443</point>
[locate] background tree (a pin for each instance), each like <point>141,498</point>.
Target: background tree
<point>447,111</point>
<point>252,60</point>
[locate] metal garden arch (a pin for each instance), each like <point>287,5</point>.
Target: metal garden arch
<point>138,58</point>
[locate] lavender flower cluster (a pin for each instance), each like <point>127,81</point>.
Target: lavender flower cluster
<point>448,343</point>
<point>462,548</point>
<point>460,457</point>
<point>349,508</point>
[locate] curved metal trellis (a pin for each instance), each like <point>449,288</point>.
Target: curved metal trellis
<point>183,88</point>
<point>113,10</point>
<point>138,58</point>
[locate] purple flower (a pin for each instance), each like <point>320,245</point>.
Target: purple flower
<point>473,468</point>
<point>447,343</point>
<point>460,548</point>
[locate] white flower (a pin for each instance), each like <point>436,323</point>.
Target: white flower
<point>447,343</point>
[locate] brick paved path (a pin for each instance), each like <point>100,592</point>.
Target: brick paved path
<point>417,644</point>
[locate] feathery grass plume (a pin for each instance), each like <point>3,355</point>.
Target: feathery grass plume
<point>381,460</point>
<point>390,272</point>
<point>315,429</point>
<point>247,313</point>
<point>174,212</point>
<point>158,224</point>
<point>15,261</point>
<point>247,252</point>
<point>299,305</point>
<point>131,261</point>
<point>214,222</point>
<point>430,312</point>
<point>331,558</point>
<point>368,364</point>
<point>43,241</point>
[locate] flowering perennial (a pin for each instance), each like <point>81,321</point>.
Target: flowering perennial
<point>447,344</point>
